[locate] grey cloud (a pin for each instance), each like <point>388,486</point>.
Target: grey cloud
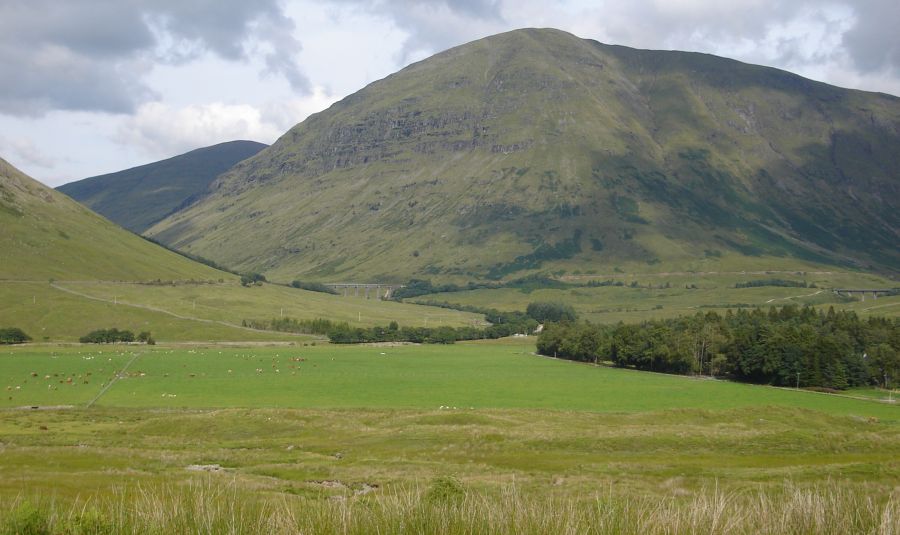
<point>94,28</point>
<point>91,55</point>
<point>874,43</point>
<point>792,34</point>
<point>52,77</point>
<point>435,25</point>
<point>854,37</point>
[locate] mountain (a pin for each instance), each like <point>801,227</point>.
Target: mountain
<point>44,234</point>
<point>103,276</point>
<point>139,197</point>
<point>535,150</point>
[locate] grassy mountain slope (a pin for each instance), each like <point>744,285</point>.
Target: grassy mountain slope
<point>139,197</point>
<point>44,234</point>
<point>48,313</point>
<point>537,150</point>
<point>66,310</point>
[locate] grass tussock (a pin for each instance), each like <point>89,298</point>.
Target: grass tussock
<point>215,508</point>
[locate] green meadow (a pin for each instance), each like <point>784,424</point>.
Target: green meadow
<point>464,376</point>
<point>665,295</point>
<point>480,437</point>
<point>63,311</point>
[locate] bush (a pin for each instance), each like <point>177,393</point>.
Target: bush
<point>26,519</point>
<point>91,522</point>
<point>144,337</point>
<point>13,335</point>
<point>445,489</point>
<point>252,278</point>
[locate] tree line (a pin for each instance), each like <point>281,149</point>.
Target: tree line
<point>758,283</point>
<point>428,335</point>
<point>502,323</point>
<point>790,346</point>
<point>115,336</point>
<point>13,335</point>
<point>293,325</point>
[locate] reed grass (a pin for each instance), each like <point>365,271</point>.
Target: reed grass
<point>224,508</point>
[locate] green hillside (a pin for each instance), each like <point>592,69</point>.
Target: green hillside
<point>537,150</point>
<point>65,271</point>
<point>139,197</point>
<point>44,234</point>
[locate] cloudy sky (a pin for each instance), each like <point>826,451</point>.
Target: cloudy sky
<point>95,86</point>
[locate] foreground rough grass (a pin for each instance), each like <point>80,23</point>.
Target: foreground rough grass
<point>212,508</point>
<point>386,439</point>
<point>562,454</point>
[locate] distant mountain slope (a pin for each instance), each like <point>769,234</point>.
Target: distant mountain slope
<point>537,150</point>
<point>139,197</point>
<point>44,234</point>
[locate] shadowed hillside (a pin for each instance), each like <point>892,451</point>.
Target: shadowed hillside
<point>139,197</point>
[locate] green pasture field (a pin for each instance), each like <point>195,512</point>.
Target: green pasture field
<point>295,428</point>
<point>234,303</point>
<point>65,311</point>
<point>611,304</point>
<point>48,314</point>
<point>467,376</point>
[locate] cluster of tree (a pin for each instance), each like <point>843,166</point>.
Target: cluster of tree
<point>249,279</point>
<point>418,287</point>
<point>13,335</point>
<point>292,325</point>
<point>543,312</point>
<point>312,287</point>
<point>428,335</point>
<point>790,346</point>
<point>537,311</point>
<point>456,306</point>
<point>113,336</point>
<point>773,282</point>
<point>600,284</point>
<point>160,282</point>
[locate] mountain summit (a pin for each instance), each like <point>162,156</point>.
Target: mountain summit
<point>538,150</point>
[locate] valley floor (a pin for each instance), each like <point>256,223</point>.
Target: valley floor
<point>475,437</point>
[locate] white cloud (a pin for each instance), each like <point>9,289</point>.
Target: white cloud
<point>101,85</point>
<point>26,151</point>
<point>160,130</point>
<point>93,55</point>
<point>163,131</point>
<point>284,114</point>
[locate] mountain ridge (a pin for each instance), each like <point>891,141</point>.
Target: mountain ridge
<point>140,196</point>
<point>44,234</point>
<point>535,150</point>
